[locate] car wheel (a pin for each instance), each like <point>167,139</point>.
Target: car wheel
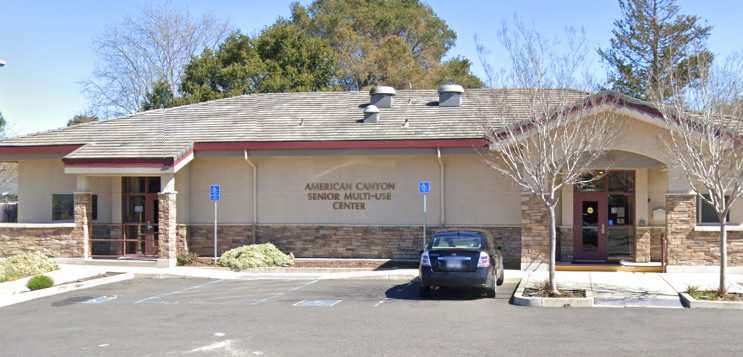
<point>490,290</point>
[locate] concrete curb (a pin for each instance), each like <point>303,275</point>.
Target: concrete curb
<point>223,274</point>
<point>693,303</point>
<point>521,300</point>
<point>54,290</point>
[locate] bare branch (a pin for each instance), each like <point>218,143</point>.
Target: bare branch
<point>155,45</point>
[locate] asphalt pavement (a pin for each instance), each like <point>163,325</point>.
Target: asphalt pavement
<point>206,317</point>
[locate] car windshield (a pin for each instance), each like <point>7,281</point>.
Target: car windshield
<point>456,242</point>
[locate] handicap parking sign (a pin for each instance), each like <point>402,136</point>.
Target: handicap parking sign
<point>424,186</point>
<point>214,193</point>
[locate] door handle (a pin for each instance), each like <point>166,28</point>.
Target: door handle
<point>603,228</point>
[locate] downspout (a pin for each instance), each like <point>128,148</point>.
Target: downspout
<point>442,211</point>
<point>255,193</point>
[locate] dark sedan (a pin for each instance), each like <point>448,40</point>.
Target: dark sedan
<point>460,259</point>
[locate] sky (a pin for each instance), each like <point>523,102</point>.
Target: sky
<point>47,44</point>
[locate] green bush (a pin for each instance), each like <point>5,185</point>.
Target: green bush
<point>255,256</point>
<point>23,265</point>
<point>187,258</point>
<point>40,282</point>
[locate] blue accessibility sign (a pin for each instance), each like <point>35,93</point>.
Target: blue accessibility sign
<point>215,193</point>
<point>424,186</point>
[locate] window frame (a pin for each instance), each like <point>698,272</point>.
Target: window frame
<point>701,203</point>
<point>94,207</point>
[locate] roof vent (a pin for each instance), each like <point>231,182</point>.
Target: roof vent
<point>381,96</point>
<point>450,95</point>
<point>371,114</point>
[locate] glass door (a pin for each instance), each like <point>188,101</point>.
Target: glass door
<point>140,215</point>
<point>590,219</point>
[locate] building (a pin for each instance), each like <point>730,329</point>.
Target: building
<point>335,174</point>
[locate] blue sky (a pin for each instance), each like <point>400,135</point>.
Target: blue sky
<point>48,44</point>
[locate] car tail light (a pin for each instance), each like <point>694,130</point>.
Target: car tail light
<point>425,260</point>
<point>484,260</point>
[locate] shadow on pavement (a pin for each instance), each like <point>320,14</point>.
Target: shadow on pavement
<point>409,291</point>
<point>71,301</point>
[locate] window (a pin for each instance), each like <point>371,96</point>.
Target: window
<point>456,242</point>
<point>706,213</point>
<point>63,207</point>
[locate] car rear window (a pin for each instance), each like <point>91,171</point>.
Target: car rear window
<point>456,242</point>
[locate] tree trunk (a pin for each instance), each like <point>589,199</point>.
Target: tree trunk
<point>553,250</point>
<point>723,256</point>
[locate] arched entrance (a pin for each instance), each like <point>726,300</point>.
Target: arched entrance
<point>612,217</point>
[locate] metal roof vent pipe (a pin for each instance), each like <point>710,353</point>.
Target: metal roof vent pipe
<point>381,96</point>
<point>371,114</point>
<point>450,95</point>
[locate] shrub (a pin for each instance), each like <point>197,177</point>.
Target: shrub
<point>22,265</point>
<point>187,258</point>
<point>255,256</point>
<point>40,282</point>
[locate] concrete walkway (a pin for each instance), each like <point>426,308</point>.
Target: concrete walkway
<point>65,274</point>
<point>626,289</point>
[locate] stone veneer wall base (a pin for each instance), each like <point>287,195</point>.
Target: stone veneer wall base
<point>338,241</point>
<point>55,240</point>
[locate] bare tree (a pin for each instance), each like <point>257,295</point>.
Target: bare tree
<point>706,122</point>
<point>155,45</point>
<point>560,134</point>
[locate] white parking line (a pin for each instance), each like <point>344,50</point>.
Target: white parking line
<point>99,300</point>
<point>303,285</point>
<point>177,291</point>
<point>381,302</point>
<point>317,303</point>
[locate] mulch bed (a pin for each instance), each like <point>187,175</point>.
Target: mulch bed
<point>711,295</point>
<point>535,292</point>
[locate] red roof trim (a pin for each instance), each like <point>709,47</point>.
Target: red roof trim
<point>341,144</point>
<point>38,149</point>
<point>120,162</point>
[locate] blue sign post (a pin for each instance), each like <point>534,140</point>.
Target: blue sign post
<point>215,194</point>
<point>424,187</point>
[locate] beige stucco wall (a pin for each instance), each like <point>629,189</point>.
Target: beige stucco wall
<point>234,176</point>
<point>657,188</point>
<point>474,193</point>
<point>38,180</point>
<point>283,197</point>
<point>183,196</point>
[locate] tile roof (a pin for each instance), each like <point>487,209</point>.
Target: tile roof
<point>310,116</point>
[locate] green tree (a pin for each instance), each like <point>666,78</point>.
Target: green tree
<point>653,47</point>
<point>282,58</point>
<point>160,96</point>
<point>81,119</point>
<point>396,42</point>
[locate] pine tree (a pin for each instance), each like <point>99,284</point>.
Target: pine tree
<point>653,47</point>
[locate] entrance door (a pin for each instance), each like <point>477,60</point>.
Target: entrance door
<point>590,217</point>
<point>140,215</point>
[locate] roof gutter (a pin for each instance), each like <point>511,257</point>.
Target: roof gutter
<point>341,144</point>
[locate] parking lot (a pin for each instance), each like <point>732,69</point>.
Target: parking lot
<point>203,317</point>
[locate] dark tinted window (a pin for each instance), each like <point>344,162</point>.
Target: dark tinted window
<point>63,207</point>
<point>707,213</point>
<point>456,241</point>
